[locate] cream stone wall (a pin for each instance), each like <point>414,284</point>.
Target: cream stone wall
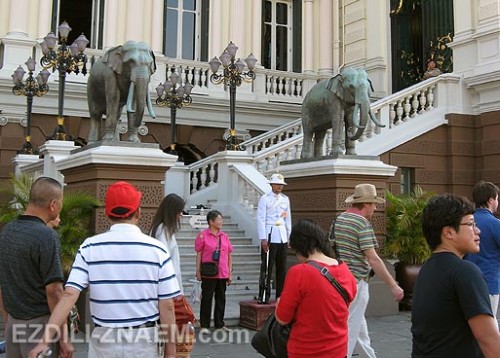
<point>335,33</point>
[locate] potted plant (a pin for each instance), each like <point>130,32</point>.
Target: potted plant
<point>76,213</point>
<point>405,241</point>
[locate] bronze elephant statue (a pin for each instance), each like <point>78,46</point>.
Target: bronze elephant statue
<point>341,103</point>
<point>120,77</point>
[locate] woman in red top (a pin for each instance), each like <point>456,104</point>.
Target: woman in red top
<point>310,302</point>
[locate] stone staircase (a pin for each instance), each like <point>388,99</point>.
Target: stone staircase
<point>246,266</point>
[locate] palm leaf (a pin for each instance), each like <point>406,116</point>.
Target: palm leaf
<point>405,241</point>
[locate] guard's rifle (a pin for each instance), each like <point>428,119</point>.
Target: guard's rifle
<point>264,286</point>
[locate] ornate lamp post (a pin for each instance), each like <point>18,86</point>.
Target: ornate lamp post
<point>232,77</point>
<point>29,88</point>
<point>65,59</point>
<point>173,96</point>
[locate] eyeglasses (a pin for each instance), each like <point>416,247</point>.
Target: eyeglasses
<point>471,224</point>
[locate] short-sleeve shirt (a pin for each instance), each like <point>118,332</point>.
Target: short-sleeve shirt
<point>353,235</point>
<point>488,257</point>
<point>448,292</point>
<point>317,310</point>
<point>29,261</point>
<point>207,242</point>
<point>127,273</point>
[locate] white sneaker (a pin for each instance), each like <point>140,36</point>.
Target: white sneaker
<point>225,329</point>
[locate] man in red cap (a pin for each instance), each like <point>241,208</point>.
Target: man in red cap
<point>131,283</point>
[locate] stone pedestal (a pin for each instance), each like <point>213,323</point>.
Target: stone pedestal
<point>93,168</point>
<point>253,315</point>
<point>21,160</point>
<point>317,189</point>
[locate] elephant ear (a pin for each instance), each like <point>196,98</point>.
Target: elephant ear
<point>113,58</point>
<point>152,67</point>
<point>334,84</point>
<point>371,84</point>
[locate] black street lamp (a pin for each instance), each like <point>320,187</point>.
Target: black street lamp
<point>232,77</point>
<point>65,59</point>
<point>30,88</point>
<point>173,96</point>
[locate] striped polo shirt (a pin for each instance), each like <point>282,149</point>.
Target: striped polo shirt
<point>353,235</point>
<point>126,272</point>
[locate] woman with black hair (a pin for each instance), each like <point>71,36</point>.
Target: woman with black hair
<point>309,300</point>
<point>166,223</point>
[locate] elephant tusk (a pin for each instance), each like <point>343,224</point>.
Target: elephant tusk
<point>355,116</point>
<point>358,134</point>
<point>375,120</point>
<point>150,105</point>
<point>130,98</point>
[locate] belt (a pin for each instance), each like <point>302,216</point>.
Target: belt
<point>144,325</point>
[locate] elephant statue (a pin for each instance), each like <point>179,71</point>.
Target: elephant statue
<point>120,77</point>
<point>341,103</point>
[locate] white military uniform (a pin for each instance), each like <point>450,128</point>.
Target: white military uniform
<point>273,216</point>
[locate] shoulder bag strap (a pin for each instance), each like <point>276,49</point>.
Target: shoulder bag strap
<point>324,271</point>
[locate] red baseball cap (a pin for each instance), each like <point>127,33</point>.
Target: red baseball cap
<point>122,195</point>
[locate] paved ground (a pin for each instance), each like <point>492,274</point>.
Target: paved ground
<point>390,336</point>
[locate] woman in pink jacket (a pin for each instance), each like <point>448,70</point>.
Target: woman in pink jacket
<point>213,245</point>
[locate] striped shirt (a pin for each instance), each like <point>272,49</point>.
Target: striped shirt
<point>353,235</point>
<point>126,272</point>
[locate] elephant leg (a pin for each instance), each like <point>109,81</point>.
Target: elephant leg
<point>113,110</point>
<point>319,141</point>
<point>306,144</point>
<point>350,145</point>
<point>337,133</point>
<point>133,131</point>
<point>95,127</point>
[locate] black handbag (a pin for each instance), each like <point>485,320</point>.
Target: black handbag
<point>271,339</point>
<point>209,269</point>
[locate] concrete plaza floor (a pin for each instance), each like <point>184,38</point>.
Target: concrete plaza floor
<point>390,335</point>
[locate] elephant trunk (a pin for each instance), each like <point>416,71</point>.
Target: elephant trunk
<point>364,109</point>
<point>130,98</point>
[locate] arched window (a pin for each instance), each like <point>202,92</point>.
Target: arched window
<point>186,29</point>
<point>281,34</point>
<point>83,16</point>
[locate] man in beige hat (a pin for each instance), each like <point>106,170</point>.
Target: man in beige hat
<point>274,224</point>
<point>355,244</point>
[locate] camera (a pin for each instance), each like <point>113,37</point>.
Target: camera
<point>216,255</point>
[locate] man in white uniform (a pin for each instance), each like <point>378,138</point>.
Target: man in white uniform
<point>274,225</point>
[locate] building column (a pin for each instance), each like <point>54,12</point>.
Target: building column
<point>17,45</point>
<point>135,21</point>
<point>18,20</point>
<point>110,23</point>
<point>237,26</point>
<point>215,42</point>
<point>325,38</point>
<point>308,37</point>
<point>336,36</point>
<point>257,30</point>
<point>44,16</point>
<point>157,26</point>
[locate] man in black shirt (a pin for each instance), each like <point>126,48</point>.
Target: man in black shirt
<point>451,311</point>
<point>31,277</point>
